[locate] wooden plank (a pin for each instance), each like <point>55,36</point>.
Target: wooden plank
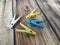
<point>44,36</point>
<point>6,35</point>
<point>53,18</point>
<point>55,5</point>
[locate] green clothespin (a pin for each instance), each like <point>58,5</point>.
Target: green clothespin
<point>33,13</point>
<point>26,30</point>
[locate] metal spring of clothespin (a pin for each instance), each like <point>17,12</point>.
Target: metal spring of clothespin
<point>26,30</point>
<point>33,13</point>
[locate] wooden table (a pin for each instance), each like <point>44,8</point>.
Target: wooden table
<point>50,35</point>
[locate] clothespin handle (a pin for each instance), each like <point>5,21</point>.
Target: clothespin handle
<point>36,23</point>
<point>24,26</point>
<point>33,13</point>
<point>26,30</point>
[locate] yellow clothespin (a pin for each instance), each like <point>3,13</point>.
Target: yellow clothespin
<point>26,30</point>
<point>33,13</point>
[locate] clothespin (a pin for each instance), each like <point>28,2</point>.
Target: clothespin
<point>33,13</point>
<point>26,30</point>
<point>14,21</point>
<point>36,23</point>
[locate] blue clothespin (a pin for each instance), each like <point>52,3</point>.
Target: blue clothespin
<point>36,23</point>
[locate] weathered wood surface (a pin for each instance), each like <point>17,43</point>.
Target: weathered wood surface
<point>52,15</point>
<point>6,35</point>
<point>44,36</point>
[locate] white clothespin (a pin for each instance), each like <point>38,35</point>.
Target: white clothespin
<point>14,21</point>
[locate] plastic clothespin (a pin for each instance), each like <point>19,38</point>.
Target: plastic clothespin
<point>14,21</point>
<point>26,30</point>
<point>36,23</point>
<point>33,13</point>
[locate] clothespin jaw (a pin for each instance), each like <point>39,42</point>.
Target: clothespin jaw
<point>26,30</point>
<point>33,13</point>
<point>14,21</point>
<point>36,23</point>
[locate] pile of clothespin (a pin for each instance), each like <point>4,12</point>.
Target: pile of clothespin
<point>34,22</point>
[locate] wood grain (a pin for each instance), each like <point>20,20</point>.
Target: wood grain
<point>44,36</point>
<point>6,35</point>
